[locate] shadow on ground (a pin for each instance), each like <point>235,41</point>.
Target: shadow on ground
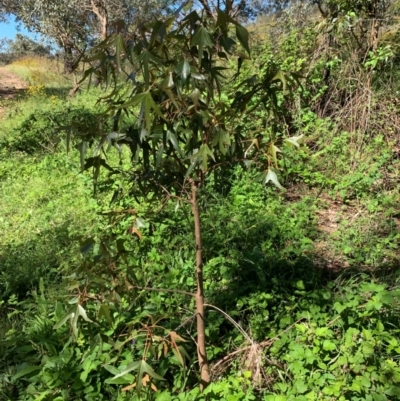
<point>24,264</point>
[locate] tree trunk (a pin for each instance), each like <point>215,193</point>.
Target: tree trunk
<point>76,87</point>
<point>201,336</point>
<point>100,10</point>
<point>69,66</point>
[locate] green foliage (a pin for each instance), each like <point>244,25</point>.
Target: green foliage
<point>42,201</point>
<point>22,46</point>
<point>45,202</point>
<point>322,332</point>
<point>43,117</point>
<point>120,324</point>
<point>43,130</point>
<point>336,353</point>
<point>186,127</point>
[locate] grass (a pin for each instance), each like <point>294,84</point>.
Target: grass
<point>46,201</point>
<point>41,71</point>
<point>45,204</point>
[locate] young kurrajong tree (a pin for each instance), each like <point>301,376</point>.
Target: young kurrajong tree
<point>185,129</point>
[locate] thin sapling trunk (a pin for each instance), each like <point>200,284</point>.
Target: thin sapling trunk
<point>201,336</point>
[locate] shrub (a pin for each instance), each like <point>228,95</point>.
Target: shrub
<point>43,130</point>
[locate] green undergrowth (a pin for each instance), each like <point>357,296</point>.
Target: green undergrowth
<point>39,114</point>
<point>303,332</point>
<point>307,279</point>
<point>45,202</point>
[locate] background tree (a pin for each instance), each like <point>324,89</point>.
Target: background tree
<point>7,7</point>
<point>60,21</point>
<point>76,25</point>
<point>22,46</point>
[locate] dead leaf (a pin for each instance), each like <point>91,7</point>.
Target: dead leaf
<point>130,387</point>
<point>134,230</point>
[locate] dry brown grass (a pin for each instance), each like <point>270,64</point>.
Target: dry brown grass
<point>40,71</point>
<point>39,63</point>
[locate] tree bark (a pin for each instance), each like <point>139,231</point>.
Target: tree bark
<point>100,10</point>
<point>69,62</point>
<point>76,87</point>
<point>201,335</point>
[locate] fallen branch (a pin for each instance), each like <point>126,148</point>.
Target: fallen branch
<point>263,344</point>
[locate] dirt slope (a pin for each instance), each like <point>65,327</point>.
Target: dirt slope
<point>10,85</point>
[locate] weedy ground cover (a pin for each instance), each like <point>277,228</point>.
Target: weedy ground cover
<point>41,71</point>
<point>308,279</point>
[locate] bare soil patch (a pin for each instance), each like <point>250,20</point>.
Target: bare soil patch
<point>10,83</point>
<point>10,86</point>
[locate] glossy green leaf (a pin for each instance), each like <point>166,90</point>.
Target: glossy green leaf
<point>253,143</point>
<point>150,107</point>
<point>202,156</point>
<point>74,322</point>
<point>119,48</point>
<point>171,137</point>
<point>133,102</point>
<point>328,345</point>
<point>228,44</point>
<point>104,311</point>
<point>146,58</point>
<point>82,147</point>
<point>142,367</point>
<point>222,20</point>
<point>172,98</point>
<point>145,367</point>
<point>222,139</point>
<point>131,367</point>
<point>281,77</point>
<point>168,82</point>
<point>125,379</point>
<point>195,96</point>
<point>81,312</point>
<point>202,39</point>
<point>87,246</point>
<point>183,69</point>
<point>273,151</point>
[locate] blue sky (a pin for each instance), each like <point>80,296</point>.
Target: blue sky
<point>9,30</point>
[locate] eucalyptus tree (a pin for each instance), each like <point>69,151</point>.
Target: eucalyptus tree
<point>169,74</point>
<point>77,24</point>
<point>245,9</point>
<point>6,7</point>
<point>109,13</point>
<point>58,20</point>
<point>22,46</point>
